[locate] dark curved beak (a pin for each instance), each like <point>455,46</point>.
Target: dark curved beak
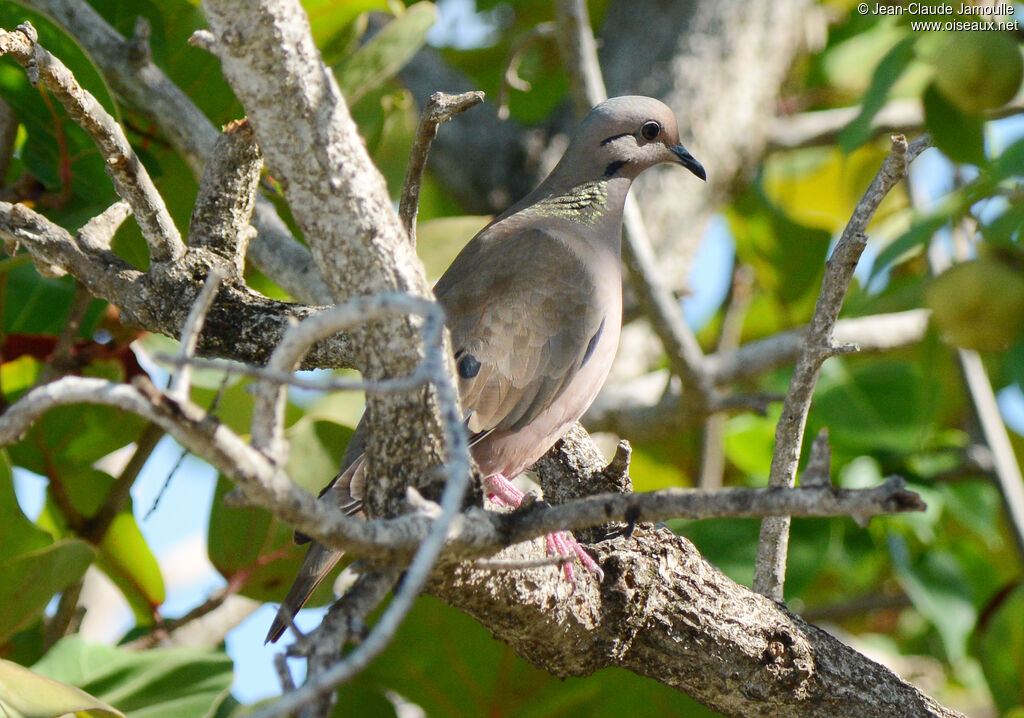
<point>687,160</point>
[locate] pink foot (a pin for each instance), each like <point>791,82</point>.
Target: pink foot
<point>560,543</point>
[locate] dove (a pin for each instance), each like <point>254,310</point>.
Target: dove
<point>534,306</point>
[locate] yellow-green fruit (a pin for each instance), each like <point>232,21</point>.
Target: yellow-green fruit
<point>978,304</point>
<point>979,71</point>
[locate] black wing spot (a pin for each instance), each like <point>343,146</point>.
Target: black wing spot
<point>468,366</point>
<point>592,345</point>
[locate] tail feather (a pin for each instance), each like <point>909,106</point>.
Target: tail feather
<point>318,563</point>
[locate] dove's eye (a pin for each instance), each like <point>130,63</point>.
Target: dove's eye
<point>650,130</point>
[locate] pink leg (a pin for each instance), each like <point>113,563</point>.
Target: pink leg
<point>560,543</point>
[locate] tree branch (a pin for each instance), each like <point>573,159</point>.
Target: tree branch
<point>243,324</point>
<point>340,201</point>
<point>130,178</point>
<point>227,196</point>
<point>819,344</point>
<point>440,108</point>
<point>144,86</point>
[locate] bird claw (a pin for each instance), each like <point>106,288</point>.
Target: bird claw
<point>560,543</point>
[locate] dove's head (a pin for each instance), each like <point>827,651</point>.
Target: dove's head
<point>623,136</point>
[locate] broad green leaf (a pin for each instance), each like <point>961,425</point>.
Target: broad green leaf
<point>937,587</point>
<point>18,534</point>
<point>247,545</point>
<point>875,405</point>
<point>315,453</point>
<point>33,305</point>
<point>158,683</point>
<point>31,579</point>
<point>819,187</point>
<point>886,74</point>
<point>73,437</point>
<point>959,136</point>
<point>749,442</point>
<point>127,559</point>
<point>123,553</point>
<point>1001,649</point>
<point>847,65</point>
<point>18,376</point>
<point>386,53</point>
<point>24,694</point>
<point>789,257</point>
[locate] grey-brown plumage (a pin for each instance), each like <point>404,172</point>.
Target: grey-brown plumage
<point>534,305</point>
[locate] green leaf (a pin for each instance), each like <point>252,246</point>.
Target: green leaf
<point>159,683</point>
<point>1001,649</point>
<point>936,586</point>
<point>889,70</point>
<point>959,136</point>
<point>123,553</point>
<point>386,53</point>
<point>875,405</point>
<point>127,559</point>
<point>248,546</point>
<point>73,437</point>
<point>31,579</point>
<point>56,150</point>
<point>18,376</point>
<point>789,257</point>
<point>18,534</point>
<point>24,694</point>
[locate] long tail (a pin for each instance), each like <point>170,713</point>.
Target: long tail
<point>345,492</point>
<point>318,563</point>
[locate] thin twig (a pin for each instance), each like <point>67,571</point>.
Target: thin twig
<point>268,408</point>
<point>130,178</point>
<point>97,234</point>
<point>96,527</point>
<point>457,472</point>
<point>819,344</point>
<point>68,613</point>
<point>510,71</point>
<point>61,361</point>
<point>181,383</point>
<point>143,86</point>
<point>440,108</point>
<point>477,533</point>
<point>712,451</point>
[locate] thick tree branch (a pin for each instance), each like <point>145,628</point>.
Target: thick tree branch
<point>340,200</point>
<point>659,612</point>
<point>822,127</point>
<point>242,325</point>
